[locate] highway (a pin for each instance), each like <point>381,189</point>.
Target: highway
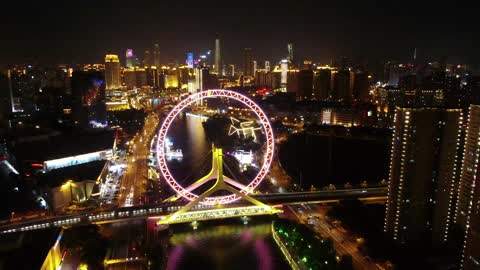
<point>133,182</point>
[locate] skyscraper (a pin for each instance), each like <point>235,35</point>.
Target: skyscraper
<point>248,62</point>
<point>156,55</point>
<point>254,67</point>
<point>467,213</point>
<point>147,59</point>
<point>129,58</point>
<point>112,72</point>
<point>291,55</point>
<point>361,86</point>
<point>267,66</point>
<point>305,84</point>
<point>341,86</point>
<point>218,61</point>
<point>322,84</point>
<point>190,60</point>
<point>423,166</point>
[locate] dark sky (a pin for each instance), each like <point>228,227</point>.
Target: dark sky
<point>74,31</point>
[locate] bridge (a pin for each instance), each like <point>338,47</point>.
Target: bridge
<point>161,211</point>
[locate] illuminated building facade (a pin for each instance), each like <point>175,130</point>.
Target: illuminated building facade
<point>248,62</point>
<point>467,215</point>
<point>423,175</point>
<point>291,53</point>
<point>129,58</point>
<point>190,60</point>
<point>112,72</point>
<point>267,66</point>
<point>218,59</point>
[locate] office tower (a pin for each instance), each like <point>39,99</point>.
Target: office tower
<point>129,78</point>
<point>248,62</point>
<point>267,66</point>
<point>254,67</point>
<point>305,84</point>
<point>147,59</point>
<point>232,70</point>
<point>112,72</point>
<point>218,61</point>
<point>391,73</point>
<point>361,86</point>
<point>291,55</point>
<point>129,58</point>
<point>190,60</point>
<point>156,55</point>
<point>467,213</point>
<point>454,97</point>
<point>88,97</point>
<point>423,175</point>
<point>284,72</point>
<point>322,84</point>
<point>341,86</point>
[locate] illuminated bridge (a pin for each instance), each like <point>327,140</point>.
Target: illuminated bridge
<point>199,212</point>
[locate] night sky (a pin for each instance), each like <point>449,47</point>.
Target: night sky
<point>367,31</point>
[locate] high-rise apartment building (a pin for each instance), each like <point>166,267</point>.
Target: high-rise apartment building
<point>423,175</point>
<point>322,84</point>
<point>361,86</point>
<point>156,55</point>
<point>248,62</point>
<point>112,72</point>
<point>218,59</point>
<point>341,86</point>
<point>467,213</point>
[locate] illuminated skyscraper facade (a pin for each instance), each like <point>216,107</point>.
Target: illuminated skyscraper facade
<point>129,58</point>
<point>156,55</point>
<point>112,72</point>
<point>423,175</point>
<point>467,213</point>
<point>218,59</point>
<point>291,55</point>
<point>248,62</point>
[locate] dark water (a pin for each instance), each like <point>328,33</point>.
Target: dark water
<point>232,247</point>
<point>321,160</point>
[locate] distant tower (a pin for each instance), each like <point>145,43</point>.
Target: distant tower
<point>129,58</point>
<point>254,68</point>
<point>291,55</point>
<point>190,60</point>
<point>247,62</point>
<point>156,55</point>
<point>218,62</point>
<point>267,66</point>
<point>147,60</point>
<point>112,72</point>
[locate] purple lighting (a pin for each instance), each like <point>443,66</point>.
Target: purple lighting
<point>129,53</point>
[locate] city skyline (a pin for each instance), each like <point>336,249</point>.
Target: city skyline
<point>320,33</point>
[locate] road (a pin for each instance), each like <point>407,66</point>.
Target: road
<point>133,182</point>
<point>344,243</point>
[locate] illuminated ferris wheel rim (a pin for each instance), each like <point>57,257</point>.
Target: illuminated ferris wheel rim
<point>161,155</point>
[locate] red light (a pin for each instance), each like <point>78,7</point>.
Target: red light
<point>38,165</point>
<point>27,174</point>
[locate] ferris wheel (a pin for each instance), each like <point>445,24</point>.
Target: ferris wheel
<point>237,189</point>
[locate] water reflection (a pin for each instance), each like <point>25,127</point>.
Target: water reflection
<point>225,247</point>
